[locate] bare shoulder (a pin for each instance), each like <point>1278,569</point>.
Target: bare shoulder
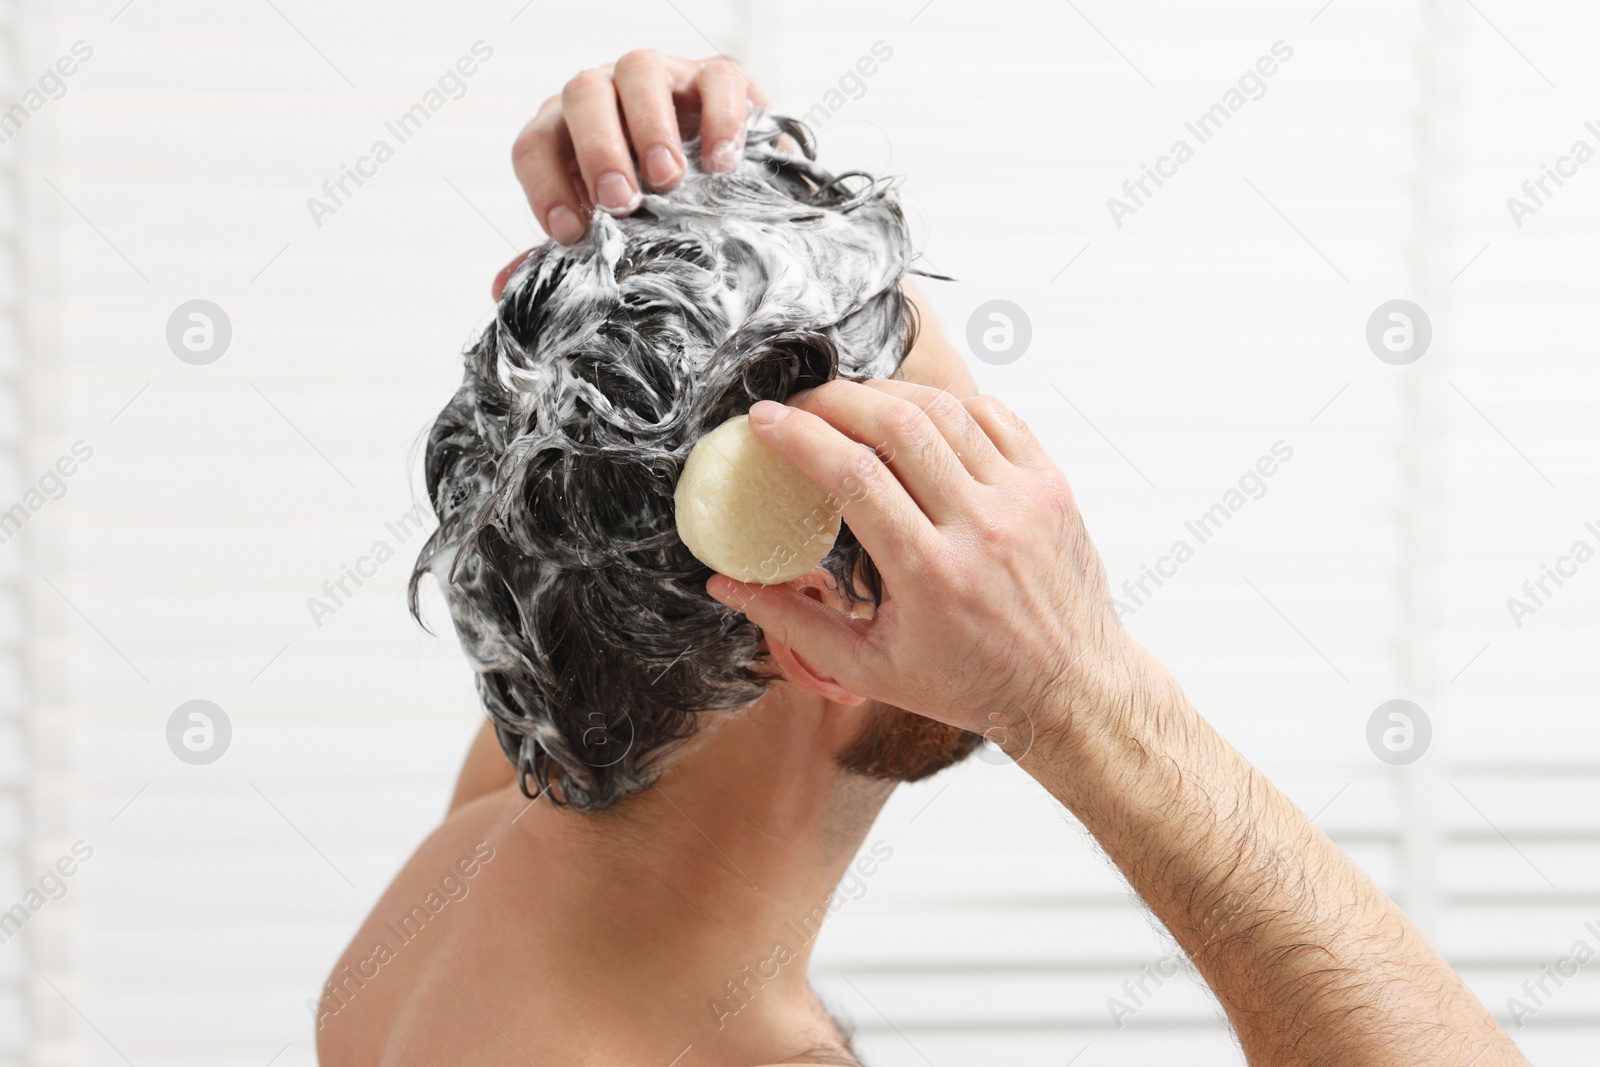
<point>420,910</point>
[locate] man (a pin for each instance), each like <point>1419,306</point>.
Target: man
<point>600,921</point>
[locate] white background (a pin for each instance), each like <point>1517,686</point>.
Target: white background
<point>1227,314</point>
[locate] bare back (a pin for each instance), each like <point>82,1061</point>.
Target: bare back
<point>469,958</point>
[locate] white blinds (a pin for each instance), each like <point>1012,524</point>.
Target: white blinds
<point>1227,313</point>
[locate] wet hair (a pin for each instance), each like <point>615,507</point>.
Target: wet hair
<point>552,469</point>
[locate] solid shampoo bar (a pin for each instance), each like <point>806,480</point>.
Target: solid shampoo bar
<point>747,512</point>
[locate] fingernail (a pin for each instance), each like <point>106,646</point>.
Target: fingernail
<point>661,167</point>
<point>564,224</point>
<point>617,194</point>
<point>767,412</point>
<point>725,155</point>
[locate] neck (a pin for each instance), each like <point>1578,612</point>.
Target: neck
<point>708,889</point>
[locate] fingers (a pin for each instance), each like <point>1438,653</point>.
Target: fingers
<point>827,640</point>
<point>724,94</point>
<point>1008,432</point>
<point>882,515</point>
<point>646,96</point>
<point>589,105</point>
<point>913,447</point>
<point>543,160</point>
<point>966,438</point>
<point>580,149</point>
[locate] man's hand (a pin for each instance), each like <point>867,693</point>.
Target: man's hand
<point>996,612</point>
<point>618,129</point>
<point>997,607</point>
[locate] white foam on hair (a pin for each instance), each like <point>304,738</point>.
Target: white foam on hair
<point>553,467</point>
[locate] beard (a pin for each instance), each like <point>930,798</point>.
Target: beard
<point>899,746</point>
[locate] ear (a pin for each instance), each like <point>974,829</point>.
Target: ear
<point>817,584</point>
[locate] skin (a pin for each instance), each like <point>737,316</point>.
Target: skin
<point>600,939</point>
<point>618,129</point>
<point>991,574</point>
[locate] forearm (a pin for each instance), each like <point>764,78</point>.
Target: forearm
<point>933,358</point>
<point>992,577</point>
<point>1311,961</point>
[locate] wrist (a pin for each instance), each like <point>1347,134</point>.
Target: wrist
<point>1110,728</point>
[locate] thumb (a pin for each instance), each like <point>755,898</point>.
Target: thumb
<point>828,640</point>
